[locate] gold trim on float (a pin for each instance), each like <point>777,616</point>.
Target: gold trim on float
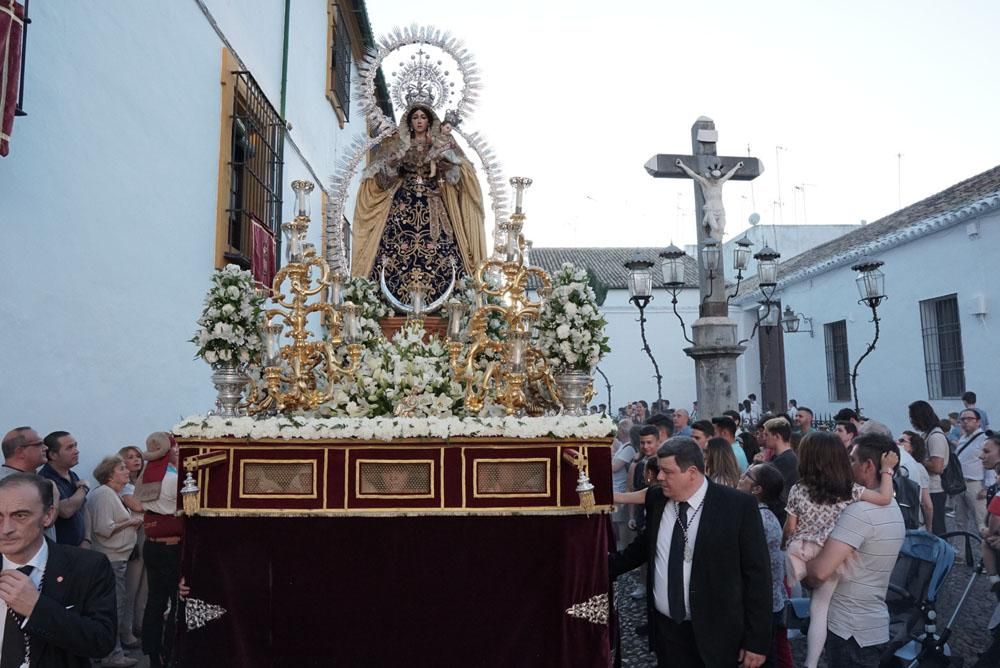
<point>357,479</point>
<point>441,473</point>
<point>559,463</point>
<point>505,495</point>
<point>326,477</point>
<point>433,442</point>
<point>278,495</point>
<point>403,512</point>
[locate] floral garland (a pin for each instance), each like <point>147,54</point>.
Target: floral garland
<point>571,327</point>
<point>390,429</point>
<point>229,326</point>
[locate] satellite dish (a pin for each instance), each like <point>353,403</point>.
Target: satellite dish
<point>754,218</point>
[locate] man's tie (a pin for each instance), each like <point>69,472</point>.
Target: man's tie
<point>13,636</point>
<point>675,566</point>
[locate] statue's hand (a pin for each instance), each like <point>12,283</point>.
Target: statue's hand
<point>678,162</point>
<point>739,165</point>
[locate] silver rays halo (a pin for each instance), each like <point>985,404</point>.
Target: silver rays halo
<point>383,127</point>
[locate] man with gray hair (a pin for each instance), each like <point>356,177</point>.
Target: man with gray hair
<point>23,452</point>
<point>708,596</point>
<point>59,601</point>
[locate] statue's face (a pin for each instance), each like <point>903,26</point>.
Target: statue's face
<point>716,173</point>
<point>446,128</point>
<point>418,121</point>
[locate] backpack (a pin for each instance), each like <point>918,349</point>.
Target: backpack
<point>907,493</point>
<point>952,478</point>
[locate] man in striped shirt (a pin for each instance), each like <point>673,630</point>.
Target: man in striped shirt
<point>870,537</point>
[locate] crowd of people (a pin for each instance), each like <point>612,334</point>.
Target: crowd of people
<point>831,513</point>
<point>64,603</point>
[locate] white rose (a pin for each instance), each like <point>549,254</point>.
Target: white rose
<point>211,357</point>
<point>562,331</point>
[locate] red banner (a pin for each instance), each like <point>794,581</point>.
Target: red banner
<point>11,36</point>
<point>262,258</point>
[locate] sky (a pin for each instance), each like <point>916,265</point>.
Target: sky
<point>856,108</point>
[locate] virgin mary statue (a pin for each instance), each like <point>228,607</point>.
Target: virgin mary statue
<point>419,207</point>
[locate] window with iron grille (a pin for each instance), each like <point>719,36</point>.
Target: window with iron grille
<point>943,359</point>
<point>340,62</point>
<point>838,366</point>
<point>255,172</point>
<point>19,107</point>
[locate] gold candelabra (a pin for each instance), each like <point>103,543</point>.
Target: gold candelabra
<point>518,373</point>
<point>292,371</point>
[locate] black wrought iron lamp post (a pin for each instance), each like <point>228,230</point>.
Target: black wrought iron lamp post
<point>871,287</point>
<point>640,290</point>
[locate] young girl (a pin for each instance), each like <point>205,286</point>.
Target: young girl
<point>824,489</point>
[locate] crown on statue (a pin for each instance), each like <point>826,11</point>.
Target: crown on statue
<point>421,81</point>
<point>419,95</point>
<point>451,117</point>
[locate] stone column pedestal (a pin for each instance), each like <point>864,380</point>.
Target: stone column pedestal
<point>714,353</point>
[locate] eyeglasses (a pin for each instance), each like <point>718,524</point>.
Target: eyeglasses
<point>36,444</point>
<point>968,417</point>
<point>746,474</point>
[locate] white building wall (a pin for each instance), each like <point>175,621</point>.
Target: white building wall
<point>629,369</point>
<point>108,200</point>
<point>943,263</point>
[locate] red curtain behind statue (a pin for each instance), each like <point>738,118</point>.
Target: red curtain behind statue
<point>395,591</point>
<point>11,34</point>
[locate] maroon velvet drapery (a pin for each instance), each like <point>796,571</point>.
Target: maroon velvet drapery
<point>397,591</point>
<point>11,35</point>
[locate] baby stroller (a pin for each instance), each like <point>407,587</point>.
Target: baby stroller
<point>924,563</point>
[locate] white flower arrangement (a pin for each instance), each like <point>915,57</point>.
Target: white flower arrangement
<point>387,429</point>
<point>365,294</point>
<point>404,371</point>
<point>571,327</point>
<point>229,326</point>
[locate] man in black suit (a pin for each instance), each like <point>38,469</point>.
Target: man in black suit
<point>709,591</point>
<point>58,602</point>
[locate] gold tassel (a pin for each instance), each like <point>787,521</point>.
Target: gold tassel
<point>583,485</point>
<point>586,491</point>
<point>190,493</point>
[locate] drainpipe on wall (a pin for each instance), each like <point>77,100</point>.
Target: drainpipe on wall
<point>284,61</point>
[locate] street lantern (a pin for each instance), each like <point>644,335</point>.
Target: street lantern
<point>871,282</point>
<point>792,321</point>
<point>672,266</point>
<point>711,254</point>
<point>640,290</point>
<point>640,279</point>
<point>871,287</point>
<point>767,270</point>
<point>741,254</point>
<point>767,314</point>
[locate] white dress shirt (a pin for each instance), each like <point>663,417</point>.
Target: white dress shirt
<point>39,561</point>
<point>661,593</point>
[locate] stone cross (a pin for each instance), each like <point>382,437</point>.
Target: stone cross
<point>715,348</point>
<point>704,160</point>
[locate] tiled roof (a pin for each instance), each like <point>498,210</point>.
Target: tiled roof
<point>977,194</point>
<point>608,264</point>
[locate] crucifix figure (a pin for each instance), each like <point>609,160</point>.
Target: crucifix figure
<point>709,171</point>
<point>715,348</point>
<point>711,182</point>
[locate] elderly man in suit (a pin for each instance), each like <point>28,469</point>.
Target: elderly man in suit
<point>709,590</point>
<point>58,602</point>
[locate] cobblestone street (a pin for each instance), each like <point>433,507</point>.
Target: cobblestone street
<point>969,637</point>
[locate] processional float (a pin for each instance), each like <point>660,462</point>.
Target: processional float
<point>400,538</point>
